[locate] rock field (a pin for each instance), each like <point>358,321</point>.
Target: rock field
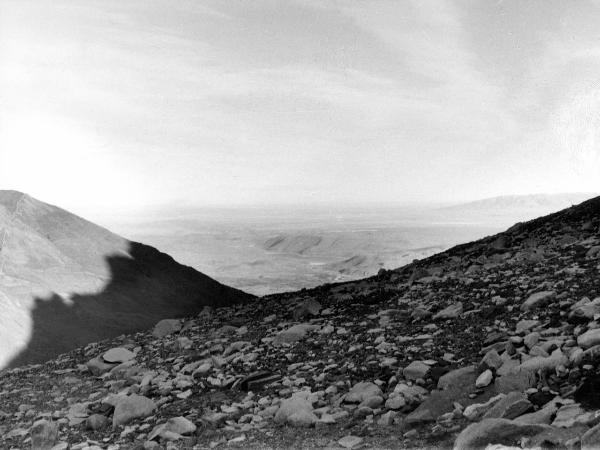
<point>490,344</point>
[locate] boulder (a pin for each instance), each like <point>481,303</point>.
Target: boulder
<point>589,338</point>
<point>97,366</point>
<point>176,425</point>
<point>297,410</point>
<point>166,327</point>
<point>538,300</point>
<point>307,308</point>
<point>294,334</point>
<point>495,431</point>
<point>362,391</point>
<point>463,376</point>
<point>484,379</point>
<point>450,312</point>
<point>132,407</point>
<point>416,370</point>
<point>118,355</point>
<point>510,407</point>
<point>44,435</point>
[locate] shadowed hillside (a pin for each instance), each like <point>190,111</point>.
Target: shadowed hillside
<point>143,289</point>
<point>65,282</point>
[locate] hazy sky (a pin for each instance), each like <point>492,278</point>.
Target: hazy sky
<point>127,103</point>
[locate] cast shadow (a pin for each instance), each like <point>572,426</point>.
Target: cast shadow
<point>143,289</point>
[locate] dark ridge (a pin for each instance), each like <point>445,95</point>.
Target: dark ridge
<point>143,289</point>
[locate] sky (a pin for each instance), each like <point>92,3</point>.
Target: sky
<point>115,104</point>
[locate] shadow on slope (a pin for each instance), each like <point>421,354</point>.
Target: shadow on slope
<point>144,288</point>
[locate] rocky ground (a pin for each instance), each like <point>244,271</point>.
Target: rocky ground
<point>496,343</point>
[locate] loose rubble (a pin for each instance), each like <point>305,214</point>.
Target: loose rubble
<point>493,343</point>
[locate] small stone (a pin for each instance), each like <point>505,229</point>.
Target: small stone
<point>484,379</point>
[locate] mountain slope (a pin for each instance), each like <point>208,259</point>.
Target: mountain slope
<point>491,342</point>
<point>65,282</point>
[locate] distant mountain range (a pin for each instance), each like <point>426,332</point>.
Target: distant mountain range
<point>65,282</point>
<point>525,207</point>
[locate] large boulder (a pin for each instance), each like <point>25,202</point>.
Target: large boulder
<point>537,300</point>
<point>132,407</point>
<point>44,435</point>
<point>297,410</point>
<point>510,407</point>
<point>495,431</point>
<point>589,338</point>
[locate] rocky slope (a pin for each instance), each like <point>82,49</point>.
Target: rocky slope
<point>493,342</point>
<point>65,282</point>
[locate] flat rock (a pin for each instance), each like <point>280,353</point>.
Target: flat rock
<point>416,370</point>
<point>118,355</point>
<point>510,407</point>
<point>463,376</point>
<point>132,407</point>
<point>177,425</point>
<point>450,312</point>
<point>537,300</point>
<point>495,431</point>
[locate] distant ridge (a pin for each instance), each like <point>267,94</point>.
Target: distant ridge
<point>65,281</point>
<point>552,202</point>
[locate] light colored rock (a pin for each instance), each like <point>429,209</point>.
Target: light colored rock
<point>484,379</point>
<point>302,419</point>
<point>300,401</point>
<point>44,435</point>
<point>545,364</point>
<point>362,391</point>
<point>166,327</point>
<point>494,431</point>
<point>96,422</point>
<point>350,441</point>
<point>118,355</point>
<point>396,402</point>
<point>589,338</point>
<point>455,377</point>
<point>477,410</point>
<point>450,312</point>
<point>491,360</point>
<point>293,334</point>
<point>542,416</point>
<point>538,300</point>
<point>97,366</point>
<point>178,425</point>
<point>416,370</point>
<point>526,325</point>
<point>132,407</point>
<point>511,406</point>
<point>567,415</point>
